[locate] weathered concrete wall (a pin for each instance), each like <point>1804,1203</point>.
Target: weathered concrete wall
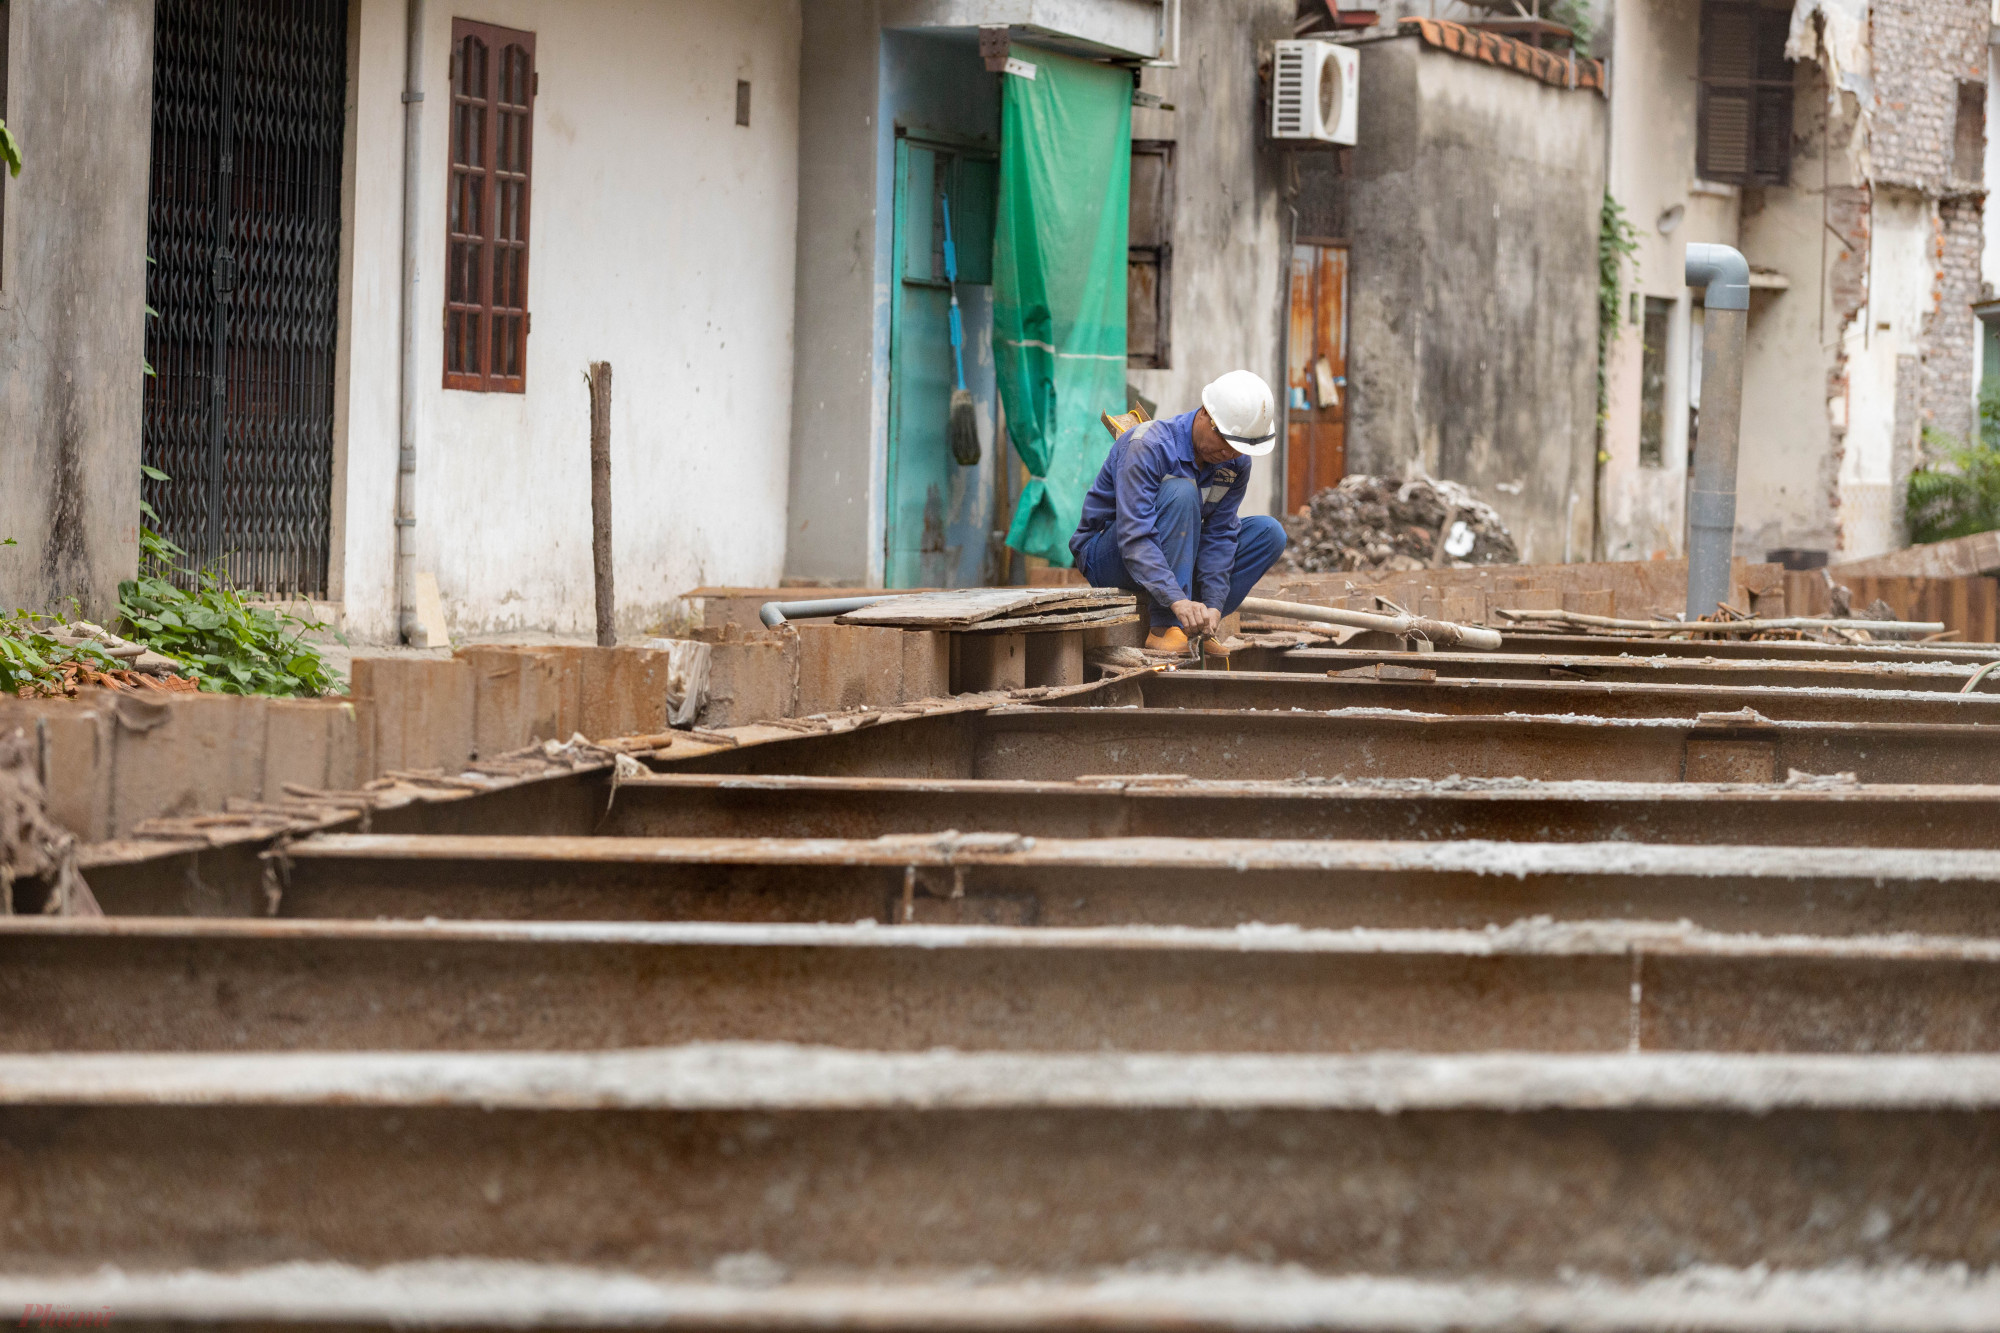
<point>1229,262</point>
<point>1474,287</point>
<point>839,400</point>
<point>72,300</point>
<point>663,237</point>
<point>1789,455</point>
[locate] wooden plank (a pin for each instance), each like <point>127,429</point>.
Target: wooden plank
<point>953,606</point>
<point>1123,615</point>
<point>957,607</point>
<point>1959,557</point>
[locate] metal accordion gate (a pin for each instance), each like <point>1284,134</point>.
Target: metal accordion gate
<point>243,237</point>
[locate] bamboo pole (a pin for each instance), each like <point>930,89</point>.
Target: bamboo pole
<point>1443,633</point>
<point>600,502</point>
<point>1725,626</point>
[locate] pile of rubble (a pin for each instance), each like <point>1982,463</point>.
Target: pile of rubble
<point>1385,523</point>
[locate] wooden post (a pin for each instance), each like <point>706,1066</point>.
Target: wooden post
<point>600,501</point>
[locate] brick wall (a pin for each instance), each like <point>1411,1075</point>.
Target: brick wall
<point>1925,52</point>
<point>1951,335</point>
<point>1921,50</point>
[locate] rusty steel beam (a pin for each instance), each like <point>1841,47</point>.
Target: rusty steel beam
<point>155,985</point>
<point>1041,743</point>
<point>1480,697</point>
<point>827,1161</point>
<point>1003,879</point>
<point>1635,668</point>
<point>688,805</point>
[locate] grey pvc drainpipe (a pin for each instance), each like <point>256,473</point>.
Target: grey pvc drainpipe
<point>406,388</point>
<point>1712,503</point>
<point>774,614</point>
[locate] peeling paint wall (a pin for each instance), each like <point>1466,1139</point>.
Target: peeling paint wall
<point>839,410</point>
<point>1789,455</point>
<point>663,239</point>
<point>1474,286</point>
<point>72,301</point>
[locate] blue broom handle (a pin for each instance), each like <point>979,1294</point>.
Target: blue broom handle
<point>951,276</point>
<point>950,251</point>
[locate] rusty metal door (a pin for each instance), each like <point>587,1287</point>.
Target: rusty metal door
<point>1316,376</point>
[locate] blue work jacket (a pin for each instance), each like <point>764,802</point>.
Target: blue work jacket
<point>1125,499</point>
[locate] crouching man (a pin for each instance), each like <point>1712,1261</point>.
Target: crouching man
<point>1161,518</point>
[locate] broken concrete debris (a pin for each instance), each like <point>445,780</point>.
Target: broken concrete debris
<point>1385,523</point>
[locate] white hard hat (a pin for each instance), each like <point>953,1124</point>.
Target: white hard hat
<point>1241,407</point>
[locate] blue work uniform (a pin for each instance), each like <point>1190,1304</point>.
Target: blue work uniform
<point>1158,521</point>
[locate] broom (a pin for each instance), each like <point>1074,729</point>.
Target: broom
<point>963,429</point>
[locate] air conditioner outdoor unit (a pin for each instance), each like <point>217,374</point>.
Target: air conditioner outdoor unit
<point>1314,91</point>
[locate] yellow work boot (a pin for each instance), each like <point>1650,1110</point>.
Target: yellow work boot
<point>1168,640</point>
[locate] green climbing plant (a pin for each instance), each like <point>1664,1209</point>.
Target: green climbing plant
<point>1957,492</point>
<point>1617,239</point>
<point>10,150</point>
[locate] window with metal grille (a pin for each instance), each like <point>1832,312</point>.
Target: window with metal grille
<point>1745,119</point>
<point>1149,258</point>
<point>486,259</point>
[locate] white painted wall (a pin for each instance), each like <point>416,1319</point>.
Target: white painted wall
<point>663,240</point>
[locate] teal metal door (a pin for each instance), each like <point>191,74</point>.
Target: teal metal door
<point>939,515</point>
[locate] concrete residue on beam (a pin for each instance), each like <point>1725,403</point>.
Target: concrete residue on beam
<point>770,1077</point>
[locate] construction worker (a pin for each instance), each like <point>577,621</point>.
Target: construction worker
<point>1161,518</point>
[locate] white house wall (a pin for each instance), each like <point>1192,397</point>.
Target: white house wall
<point>663,241</point>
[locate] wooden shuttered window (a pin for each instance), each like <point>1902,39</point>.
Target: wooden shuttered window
<point>1745,130</point>
<point>486,258</point>
<point>1149,257</point>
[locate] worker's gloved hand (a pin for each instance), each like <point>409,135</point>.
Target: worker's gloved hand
<point>1196,619</point>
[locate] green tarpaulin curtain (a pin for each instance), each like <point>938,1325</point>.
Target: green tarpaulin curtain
<point>1059,250</point>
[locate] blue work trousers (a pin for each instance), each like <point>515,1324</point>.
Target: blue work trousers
<point>1259,542</point>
